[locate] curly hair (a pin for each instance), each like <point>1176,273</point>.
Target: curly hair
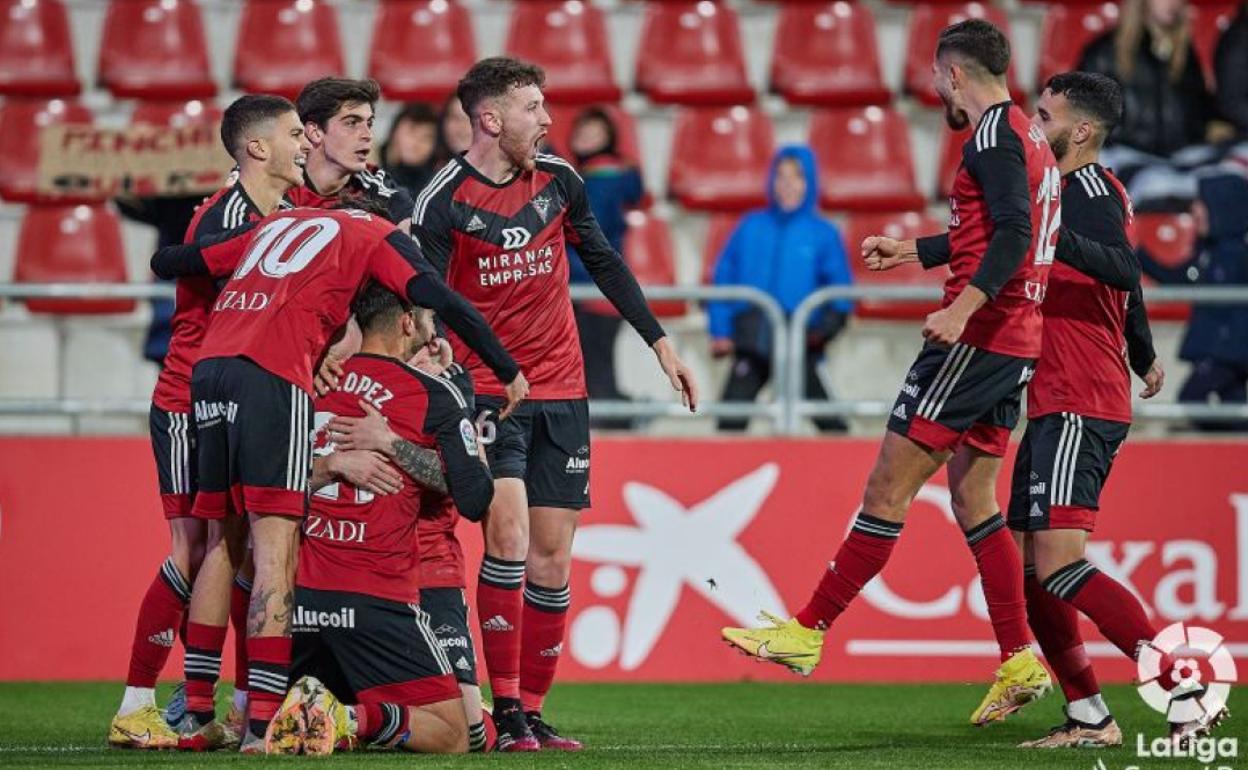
<point>494,77</point>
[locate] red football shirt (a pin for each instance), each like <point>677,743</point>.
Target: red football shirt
<point>441,557</point>
<point>293,278</point>
<point>1083,367</point>
<point>1011,323</point>
<point>226,209</point>
<point>372,183</point>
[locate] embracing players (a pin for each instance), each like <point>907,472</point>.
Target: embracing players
<point>962,395</point>
<point>496,221</point>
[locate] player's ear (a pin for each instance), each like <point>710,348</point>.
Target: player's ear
<point>258,148</point>
<point>314,133</point>
<point>491,118</point>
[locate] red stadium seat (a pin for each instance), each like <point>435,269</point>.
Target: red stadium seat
<point>568,38</point>
<point>1208,24</point>
<point>825,54</point>
<point>718,231</point>
<point>950,158</point>
<point>20,121</point>
<point>1170,240</point>
<point>421,48</point>
<point>925,25</point>
<point>691,53</point>
<point>911,224</point>
<point>720,157</point>
<point>75,244</point>
<point>864,160</point>
<point>177,114</point>
<point>649,252</point>
<point>1066,31</point>
<point>283,44</point>
<point>155,49</point>
<point>36,51</point>
<point>563,116</point>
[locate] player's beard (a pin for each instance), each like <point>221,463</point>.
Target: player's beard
<point>521,153</point>
<point>956,118</point>
<point>1060,144</point>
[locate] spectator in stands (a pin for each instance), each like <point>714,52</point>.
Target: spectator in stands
<point>455,132</point>
<point>1216,343</point>
<point>1151,54</point>
<point>788,251</point>
<point>408,154</point>
<point>1231,66</point>
<point>613,186</point>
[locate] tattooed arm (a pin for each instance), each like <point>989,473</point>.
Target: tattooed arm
<point>371,432</point>
<point>424,465</point>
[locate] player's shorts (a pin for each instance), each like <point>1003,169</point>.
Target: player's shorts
<point>177,468</point>
<point>545,443</point>
<point>368,649</point>
<point>961,394</point>
<point>255,440</point>
<point>1061,467</point>
<point>448,616</point>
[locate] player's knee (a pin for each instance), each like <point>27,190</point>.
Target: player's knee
<point>548,567</point>
<point>507,539</point>
<point>440,735</point>
<point>883,498</point>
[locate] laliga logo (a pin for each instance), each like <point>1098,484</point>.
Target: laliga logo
<point>1178,698</point>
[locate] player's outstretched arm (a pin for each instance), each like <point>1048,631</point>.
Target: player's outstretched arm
<point>215,255</point>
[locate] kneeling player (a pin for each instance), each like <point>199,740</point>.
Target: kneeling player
<point>360,636</point>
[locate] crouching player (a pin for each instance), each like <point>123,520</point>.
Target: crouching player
<point>360,636</point>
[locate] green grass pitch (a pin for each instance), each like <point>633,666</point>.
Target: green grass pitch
<point>721,726</point>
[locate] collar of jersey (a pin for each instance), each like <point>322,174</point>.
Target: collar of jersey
<point>482,178</point>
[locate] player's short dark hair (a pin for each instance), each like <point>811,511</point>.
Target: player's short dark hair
<point>494,77</point>
<point>978,42</point>
<point>320,100</point>
<point>354,199</point>
<point>376,307</point>
<point>1091,94</point>
<point>244,113</point>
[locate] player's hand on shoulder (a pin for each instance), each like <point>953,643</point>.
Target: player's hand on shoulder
<point>681,376</point>
<point>433,358</point>
<point>367,470</point>
<point>943,328</point>
<point>517,390</point>
<point>370,432</point>
<point>1154,379</point>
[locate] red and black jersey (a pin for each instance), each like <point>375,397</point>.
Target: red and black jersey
<point>361,543</point>
<point>1006,198</point>
<point>226,209</point>
<point>1082,367</point>
<point>504,248</point>
<point>372,183</point>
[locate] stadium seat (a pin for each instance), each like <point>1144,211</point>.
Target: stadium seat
<point>177,114</point>
<point>691,53</point>
<point>950,158</point>
<point>864,160</point>
<point>650,254</point>
<point>568,38</point>
<point>720,157</point>
<point>925,25</point>
<point>825,55</point>
<point>718,231</point>
<point>1208,23</point>
<point>20,121</point>
<point>74,244</point>
<point>283,44</point>
<point>155,49</point>
<point>911,224</point>
<point>1170,240</point>
<point>1066,31</point>
<point>421,48</point>
<point>36,51</point>
<point>563,116</point>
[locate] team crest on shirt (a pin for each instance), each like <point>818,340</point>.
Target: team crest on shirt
<point>541,204</point>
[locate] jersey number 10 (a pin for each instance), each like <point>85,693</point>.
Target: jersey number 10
<point>287,246</point>
<point>1050,215</point>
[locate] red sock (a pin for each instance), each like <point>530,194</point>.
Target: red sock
<point>861,557</point>
<point>202,664</point>
<point>160,615</point>
<point>240,600</point>
<point>1114,609</point>
<point>499,603</point>
<point>267,673</point>
<point>382,724</point>
<point>1001,572</point>
<point>1056,627</point>
<point>544,620</point>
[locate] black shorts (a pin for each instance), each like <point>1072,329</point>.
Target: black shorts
<point>177,469</point>
<point>255,440</point>
<point>368,649</point>
<point>961,394</point>
<point>546,443</point>
<point>448,616</point>
<point>1061,467</point>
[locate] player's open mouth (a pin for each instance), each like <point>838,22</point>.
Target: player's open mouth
<point>301,160</point>
<point>362,155</point>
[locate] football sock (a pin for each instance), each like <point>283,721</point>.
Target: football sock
<point>478,739</point>
<point>267,673</point>
<point>136,698</point>
<point>860,558</point>
<point>1090,710</point>
<point>1056,627</point>
<point>240,600</point>
<point>1001,571</point>
<point>499,607</point>
<point>542,626</point>
<point>382,724</point>
<point>1114,609</point>
<point>202,667</point>
<point>160,614</point>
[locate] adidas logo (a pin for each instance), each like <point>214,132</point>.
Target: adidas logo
<point>1035,512</point>
<point>474,224</point>
<point>497,623</point>
<point>900,412</point>
<point>552,652</point>
<point>462,664</point>
<point>446,629</point>
<point>164,638</point>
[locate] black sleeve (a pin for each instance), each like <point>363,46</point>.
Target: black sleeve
<point>431,226</point>
<point>469,480</point>
<point>427,289</point>
<point>604,264</point>
<point>934,250</point>
<point>187,259</point>
<point>1001,170</point>
<point>1093,236</point>
<point>1139,336</point>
